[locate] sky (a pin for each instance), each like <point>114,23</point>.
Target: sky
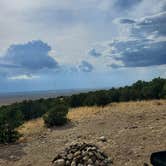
<point>75,44</point>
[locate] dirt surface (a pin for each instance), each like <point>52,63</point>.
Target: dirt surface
<point>133,131</point>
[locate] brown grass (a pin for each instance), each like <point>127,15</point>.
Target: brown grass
<point>76,114</point>
<point>32,127</point>
<point>125,107</point>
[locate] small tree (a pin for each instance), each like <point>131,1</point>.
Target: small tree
<point>10,119</point>
<point>102,98</point>
<point>56,116</point>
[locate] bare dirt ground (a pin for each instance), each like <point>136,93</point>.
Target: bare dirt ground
<point>133,131</point>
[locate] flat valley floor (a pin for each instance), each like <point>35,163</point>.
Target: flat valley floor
<point>133,131</point>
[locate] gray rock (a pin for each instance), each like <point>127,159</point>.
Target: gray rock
<point>59,162</point>
<point>99,156</point>
<point>90,154</point>
<point>77,153</point>
<point>93,148</point>
<point>67,163</point>
<point>84,153</point>
<point>85,158</point>
<point>97,163</point>
<point>90,161</point>
<point>109,160</point>
<point>80,164</point>
<point>103,139</point>
<point>73,163</point>
<point>70,156</point>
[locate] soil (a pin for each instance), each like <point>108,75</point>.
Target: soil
<point>133,130</point>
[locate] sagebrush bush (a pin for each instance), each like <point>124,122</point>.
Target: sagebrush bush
<point>56,116</point>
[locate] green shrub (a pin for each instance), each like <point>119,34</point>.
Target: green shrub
<point>10,119</point>
<point>102,98</point>
<point>56,116</point>
<point>90,100</point>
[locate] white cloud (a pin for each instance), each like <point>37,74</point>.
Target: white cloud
<point>24,77</point>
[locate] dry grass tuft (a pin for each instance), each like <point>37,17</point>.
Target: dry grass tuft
<point>32,127</point>
<point>83,112</point>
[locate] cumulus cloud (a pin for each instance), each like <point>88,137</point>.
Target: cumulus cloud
<point>26,61</point>
<point>30,56</point>
<point>85,66</point>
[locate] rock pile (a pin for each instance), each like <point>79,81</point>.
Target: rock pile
<point>82,154</point>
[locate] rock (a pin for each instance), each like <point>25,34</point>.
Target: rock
<point>73,163</point>
<point>99,156</point>
<point>81,154</point>
<point>77,153</point>
<point>80,164</point>
<point>90,154</point>
<point>103,139</point>
<point>86,158</point>
<point>70,156</point>
<point>84,153</point>
<point>67,163</point>
<point>93,158</point>
<point>59,162</point>
<point>90,161</point>
<point>93,148</point>
<point>97,163</point>
<point>109,160</point>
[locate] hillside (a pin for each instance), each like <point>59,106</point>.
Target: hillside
<point>133,131</point>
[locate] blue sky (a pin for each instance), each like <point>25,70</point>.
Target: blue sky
<point>52,44</point>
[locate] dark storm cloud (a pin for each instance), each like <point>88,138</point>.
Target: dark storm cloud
<point>3,65</point>
<point>155,24</point>
<point>30,56</point>
<point>85,66</point>
<point>140,53</point>
<point>126,21</point>
<point>93,52</point>
<point>152,24</point>
<point>126,4</point>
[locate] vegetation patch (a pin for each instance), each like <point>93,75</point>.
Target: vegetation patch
<point>56,116</point>
<point>10,119</point>
<point>55,109</point>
